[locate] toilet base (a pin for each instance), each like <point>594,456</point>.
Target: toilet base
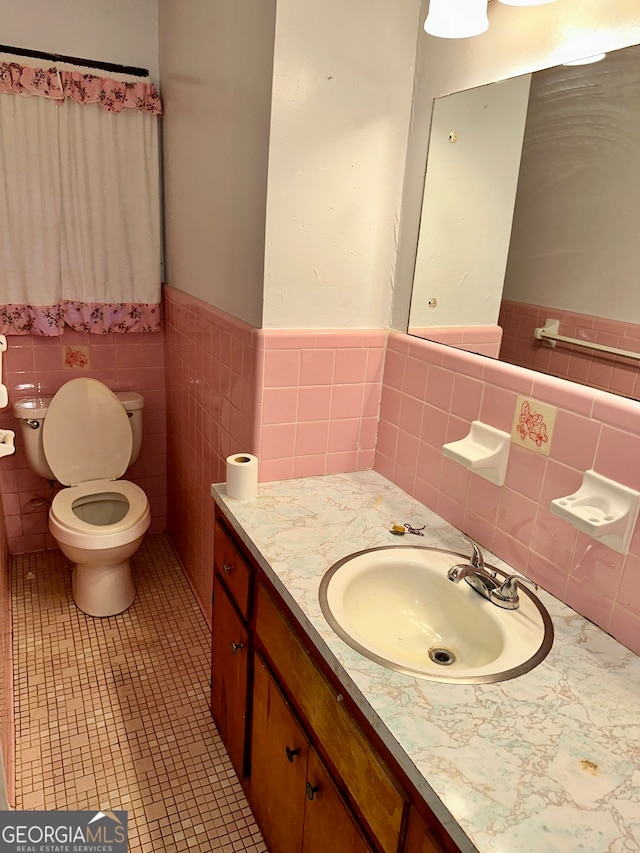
<point>102,584</point>
<point>103,590</point>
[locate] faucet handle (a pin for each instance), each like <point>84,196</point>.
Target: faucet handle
<point>507,594</point>
<point>476,559</point>
<point>510,585</point>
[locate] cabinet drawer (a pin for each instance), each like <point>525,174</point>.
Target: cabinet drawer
<point>362,771</point>
<point>232,568</point>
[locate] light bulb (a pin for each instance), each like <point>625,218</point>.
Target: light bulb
<point>586,60</point>
<point>526,2</point>
<point>455,19</point>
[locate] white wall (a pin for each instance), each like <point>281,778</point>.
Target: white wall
<point>216,61</point>
<point>343,76</point>
<point>471,182</point>
<point>332,135</point>
<point>120,31</point>
<point>519,40</point>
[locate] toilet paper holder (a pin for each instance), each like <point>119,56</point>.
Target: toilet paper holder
<point>7,442</point>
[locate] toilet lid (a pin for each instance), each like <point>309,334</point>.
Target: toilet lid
<point>86,433</point>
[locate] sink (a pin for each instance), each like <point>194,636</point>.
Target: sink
<point>396,606</point>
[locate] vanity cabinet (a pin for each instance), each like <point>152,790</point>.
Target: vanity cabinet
<point>315,772</point>
<point>419,836</point>
<point>279,757</point>
<point>366,780</point>
<point>288,778</point>
<point>231,647</point>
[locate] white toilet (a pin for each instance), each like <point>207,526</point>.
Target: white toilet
<point>86,437</point>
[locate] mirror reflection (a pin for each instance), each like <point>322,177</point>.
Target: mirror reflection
<point>531,213</point>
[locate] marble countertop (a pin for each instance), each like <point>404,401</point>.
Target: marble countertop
<point>549,761</point>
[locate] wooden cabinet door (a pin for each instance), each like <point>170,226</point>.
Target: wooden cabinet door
<point>380,799</point>
<point>419,839</point>
<point>328,823</point>
<point>229,676</point>
<point>279,750</point>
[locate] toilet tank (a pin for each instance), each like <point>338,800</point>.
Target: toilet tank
<point>31,411</point>
<point>133,403</point>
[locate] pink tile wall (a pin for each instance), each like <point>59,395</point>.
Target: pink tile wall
<point>305,402</point>
<point>430,396</point>
<point>7,733</point>
<point>484,340</point>
<point>210,364</point>
<point>34,365</point>
<point>597,369</point>
<point>318,398</point>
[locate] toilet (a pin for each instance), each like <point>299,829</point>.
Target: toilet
<point>85,437</point>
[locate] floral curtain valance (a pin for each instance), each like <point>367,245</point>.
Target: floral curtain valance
<point>113,95</point>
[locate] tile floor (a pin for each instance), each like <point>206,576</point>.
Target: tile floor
<point>113,713</point>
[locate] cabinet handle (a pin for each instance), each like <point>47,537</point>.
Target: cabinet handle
<point>291,753</point>
<point>226,568</point>
<point>235,647</point>
<point>312,790</point>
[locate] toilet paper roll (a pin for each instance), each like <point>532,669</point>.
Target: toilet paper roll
<point>242,476</point>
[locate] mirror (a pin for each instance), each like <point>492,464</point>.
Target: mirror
<point>531,212</point>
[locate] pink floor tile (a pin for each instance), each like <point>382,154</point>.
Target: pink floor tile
<point>122,722</point>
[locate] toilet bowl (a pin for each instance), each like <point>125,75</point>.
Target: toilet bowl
<point>98,520</point>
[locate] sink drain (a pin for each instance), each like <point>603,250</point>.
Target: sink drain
<point>443,657</point>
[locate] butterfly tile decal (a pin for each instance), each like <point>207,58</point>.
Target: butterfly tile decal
<point>75,357</point>
<point>533,425</point>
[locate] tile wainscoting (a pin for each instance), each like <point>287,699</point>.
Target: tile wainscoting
<point>430,396</point>
<point>39,366</point>
<point>7,733</point>
<point>304,401</point>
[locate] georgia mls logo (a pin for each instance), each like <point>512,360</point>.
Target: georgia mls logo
<point>63,832</point>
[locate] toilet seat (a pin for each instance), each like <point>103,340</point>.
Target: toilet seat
<point>62,505</point>
<point>86,435</point>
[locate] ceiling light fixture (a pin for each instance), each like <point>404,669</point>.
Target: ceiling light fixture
<point>458,19</point>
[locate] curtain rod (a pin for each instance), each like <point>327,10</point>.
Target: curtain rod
<point>74,60</point>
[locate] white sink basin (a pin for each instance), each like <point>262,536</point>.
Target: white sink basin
<point>396,606</point>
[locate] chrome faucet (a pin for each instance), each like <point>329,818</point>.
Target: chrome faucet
<point>474,572</point>
<point>502,593</point>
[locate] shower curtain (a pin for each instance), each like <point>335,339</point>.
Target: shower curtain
<point>79,203</point>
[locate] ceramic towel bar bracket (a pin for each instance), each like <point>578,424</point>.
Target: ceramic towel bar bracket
<point>603,509</point>
<point>4,397</point>
<point>485,452</point>
<point>7,442</point>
